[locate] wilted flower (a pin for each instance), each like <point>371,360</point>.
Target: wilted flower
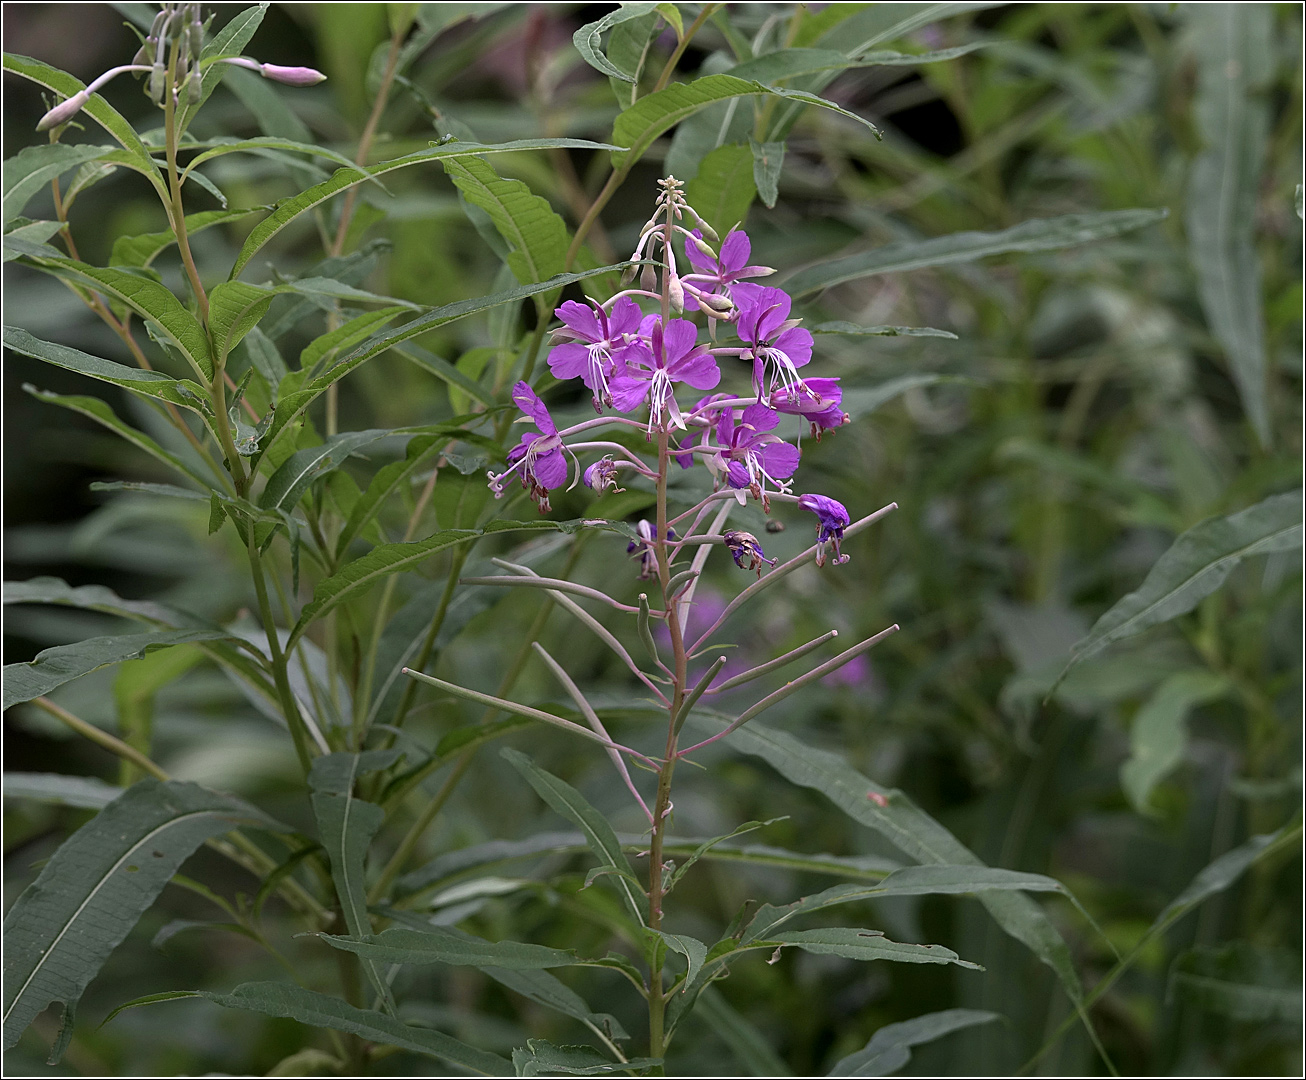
<point>602,476</point>
<point>832,519</point>
<point>537,461</point>
<point>744,545</point>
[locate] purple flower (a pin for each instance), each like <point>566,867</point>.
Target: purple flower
<point>744,545</point>
<point>715,273</point>
<point>779,347</point>
<point>817,402</point>
<point>750,456</point>
<point>832,519</point>
<point>597,341</point>
<point>537,461</point>
<point>648,562</point>
<point>673,355</point>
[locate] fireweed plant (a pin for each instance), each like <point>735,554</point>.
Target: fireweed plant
<point>704,383</point>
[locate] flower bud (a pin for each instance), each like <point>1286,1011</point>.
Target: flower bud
<point>677,294</point>
<point>648,278</point>
<point>63,112</point>
<point>158,83</point>
<point>716,305</point>
<point>194,87</point>
<point>703,246</point>
<point>291,76</point>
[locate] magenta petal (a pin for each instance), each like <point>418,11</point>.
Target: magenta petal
<point>628,393</point>
<point>795,343</point>
<point>725,427</point>
<point>529,402</point>
<point>624,318</point>
<point>551,469</point>
<point>779,459</point>
<point>827,389</point>
<point>699,371</point>
<point>698,259</point>
<point>760,418</point>
<point>582,319</point>
<point>678,338</point>
<point>570,361</point>
<point>737,475</point>
<point>735,251</point>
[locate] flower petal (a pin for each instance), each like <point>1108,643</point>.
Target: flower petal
<point>735,251</point>
<point>570,361</point>
<point>779,459</point>
<point>582,319</point>
<point>529,402</point>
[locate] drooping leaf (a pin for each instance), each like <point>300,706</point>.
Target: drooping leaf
<point>629,46</point>
<point>447,945</point>
<point>31,169</point>
<point>1194,566</point>
<point>1039,234</point>
<point>63,663</point>
<point>98,883</point>
<point>542,1058</point>
<point>297,472</point>
<point>346,825</point>
<point>881,331</point>
<point>182,392</point>
<point>144,249</point>
<point>536,235</point>
<point>855,944</point>
<point>81,791</point>
<point>588,38</point>
<point>768,159</point>
<point>1232,114</point>
<point>547,990</point>
<point>890,1047</point>
<point>324,1011</point>
<point>1240,981</point>
<point>693,950</point>
<point>1157,737</point>
<point>571,804</point>
<point>289,209</point>
<point>724,187</point>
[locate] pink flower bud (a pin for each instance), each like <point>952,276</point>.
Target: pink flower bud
<point>291,76</point>
<point>63,112</point>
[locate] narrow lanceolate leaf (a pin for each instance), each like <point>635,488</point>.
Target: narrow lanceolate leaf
<point>746,1042</point>
<point>540,1057</point>
<point>298,471</point>
<point>291,405</point>
<point>96,108</point>
<point>1040,234</point>
<point>1195,565</point>
<point>768,159</point>
<point>724,187</point>
<point>547,990</point>
<point>30,170</point>
<point>144,249</point>
<point>346,825</point>
<point>890,1047</point>
<point>571,804</point>
<point>650,116</point>
<point>446,945</point>
<point>1241,981</point>
<point>693,950</point>
<point>1158,737</point>
<point>536,235</point>
<point>1232,113</point>
<point>881,331</point>
<point>81,791</point>
<point>144,296</point>
<point>98,883</point>
<point>263,144</point>
<point>63,663</point>
<point>182,392</point>
<point>323,1011</point>
<point>99,411</point>
<point>856,944</point>
<point>288,209</point>
<point>792,63</point>
<point>589,44</point>
<point>345,336</point>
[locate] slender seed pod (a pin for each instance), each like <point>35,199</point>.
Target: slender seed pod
<point>645,634</point>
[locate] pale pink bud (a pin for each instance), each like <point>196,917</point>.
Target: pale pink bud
<point>64,111</point>
<point>676,292</point>
<point>291,76</point>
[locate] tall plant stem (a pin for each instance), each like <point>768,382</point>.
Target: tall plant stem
<point>682,45</point>
<point>176,212</point>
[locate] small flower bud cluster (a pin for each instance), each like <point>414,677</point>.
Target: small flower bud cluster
<point>633,360</point>
<point>175,42</point>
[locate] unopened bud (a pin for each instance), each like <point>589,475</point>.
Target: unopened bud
<point>703,246</point>
<point>195,35</point>
<point>291,76</point>
<point>63,112</point>
<point>628,274</point>
<point>676,291</point>
<point>648,278</point>
<point>194,87</point>
<point>158,83</point>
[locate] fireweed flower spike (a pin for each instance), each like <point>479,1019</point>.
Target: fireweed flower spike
<point>715,274</point>
<point>745,546</point>
<point>832,519</point>
<point>598,338</point>
<point>750,456</point>
<point>537,461</point>
<point>778,348</point>
<point>671,356</point>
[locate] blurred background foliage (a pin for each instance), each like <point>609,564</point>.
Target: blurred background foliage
<point>1086,415</point>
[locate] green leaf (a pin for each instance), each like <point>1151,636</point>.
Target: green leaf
<point>421,452</point>
<point>1039,234</point>
<point>154,384</point>
<point>323,1011</point>
<point>63,663</point>
<point>346,826</point>
<point>693,950</point>
<point>537,235</point>
<point>291,405</point>
<point>98,883</point>
<point>96,108</point>
<point>724,187</point>
<point>890,1047</point>
<point>587,38</point>
<point>628,50</point>
<point>144,249</point>
<point>638,126</point>
<point>1194,566</point>
<point>747,1043</point>
<point>547,990</point>
<point>265,143</point>
<point>543,1058</point>
<point>33,233</point>
<point>1231,110</point>
<point>28,171</point>
<point>1241,981</point>
<point>447,945</point>
<point>792,63</point>
<point>768,159</point>
<point>571,804</point>
<point>881,331</point>
<point>345,337</point>
<point>448,373</point>
<point>235,308</point>
<point>855,944</point>
<point>288,209</point>
<point>1157,737</point>
<point>144,296</point>
<point>100,412</point>
<point>81,791</point>
<point>297,472</point>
